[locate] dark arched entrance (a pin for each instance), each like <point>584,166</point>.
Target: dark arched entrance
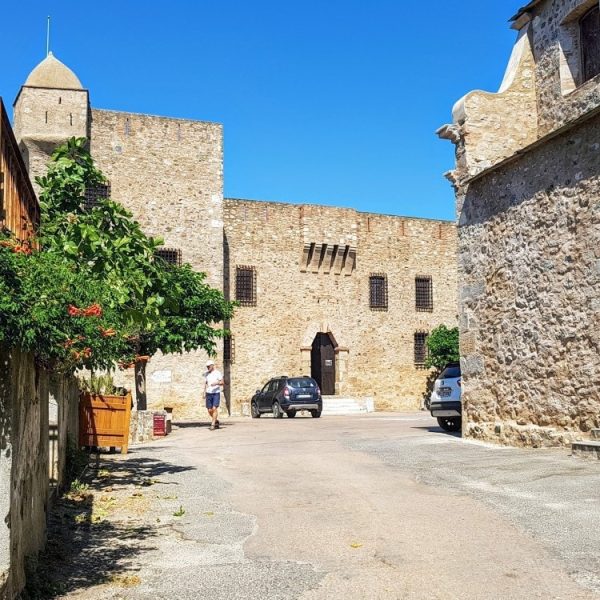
<point>322,363</point>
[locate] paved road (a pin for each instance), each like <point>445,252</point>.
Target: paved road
<point>371,507</point>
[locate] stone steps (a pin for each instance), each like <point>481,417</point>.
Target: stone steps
<point>586,449</point>
<point>337,405</point>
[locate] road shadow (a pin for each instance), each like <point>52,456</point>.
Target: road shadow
<point>199,424</point>
<point>84,548</point>
<point>134,471</point>
<point>436,429</point>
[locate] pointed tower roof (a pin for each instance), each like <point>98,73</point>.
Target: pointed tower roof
<point>51,73</point>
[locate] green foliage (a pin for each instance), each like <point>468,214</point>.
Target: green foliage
<point>35,294</point>
<point>442,344</point>
<point>104,242</point>
<point>190,307</point>
<point>95,294</point>
<point>99,384</point>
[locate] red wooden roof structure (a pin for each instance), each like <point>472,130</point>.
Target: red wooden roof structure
<point>19,208</point>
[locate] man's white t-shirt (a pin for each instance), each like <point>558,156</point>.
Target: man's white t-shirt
<point>212,379</point>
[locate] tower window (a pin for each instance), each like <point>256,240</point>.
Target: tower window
<point>95,194</point>
<point>420,348</point>
<point>589,35</point>
<point>378,291</point>
<point>423,294</point>
<point>245,285</point>
<point>171,256</point>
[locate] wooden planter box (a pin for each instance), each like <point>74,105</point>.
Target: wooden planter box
<point>104,420</point>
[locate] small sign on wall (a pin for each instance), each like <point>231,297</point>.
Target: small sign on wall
<point>161,377</point>
<point>328,362</point>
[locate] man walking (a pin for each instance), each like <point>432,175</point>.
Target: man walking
<point>213,380</point>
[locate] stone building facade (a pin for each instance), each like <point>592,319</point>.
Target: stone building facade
<point>300,272</point>
<point>527,183</point>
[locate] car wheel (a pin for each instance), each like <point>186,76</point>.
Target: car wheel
<point>277,414</point>
<point>254,411</point>
<point>291,414</point>
<point>450,423</point>
<point>315,413</point>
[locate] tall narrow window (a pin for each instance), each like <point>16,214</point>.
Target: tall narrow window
<point>171,256</point>
<point>95,193</point>
<point>589,33</point>
<point>245,285</point>
<point>423,294</point>
<point>228,348</point>
<point>378,291</point>
<point>420,348</point>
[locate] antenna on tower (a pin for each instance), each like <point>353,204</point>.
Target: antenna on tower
<point>48,37</point>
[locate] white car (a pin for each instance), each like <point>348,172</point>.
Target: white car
<point>444,403</point>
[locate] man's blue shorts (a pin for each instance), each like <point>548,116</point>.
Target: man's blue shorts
<point>213,400</point>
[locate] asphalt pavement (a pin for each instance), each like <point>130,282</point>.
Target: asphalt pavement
<point>376,506</point>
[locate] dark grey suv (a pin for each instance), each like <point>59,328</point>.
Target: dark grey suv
<point>289,395</point>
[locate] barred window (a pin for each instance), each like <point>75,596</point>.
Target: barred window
<point>245,285</point>
<point>589,33</point>
<point>378,291</point>
<point>228,348</point>
<point>95,193</point>
<point>420,348</point>
<point>171,256</point>
<point>423,294</point>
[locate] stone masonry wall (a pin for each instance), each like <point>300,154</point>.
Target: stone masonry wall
<point>25,457</point>
<point>561,98</point>
<point>169,174</point>
<point>529,267</point>
<point>44,118</point>
<point>493,126</point>
<point>25,392</point>
<point>296,300</point>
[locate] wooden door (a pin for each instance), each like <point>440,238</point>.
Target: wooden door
<point>322,359</point>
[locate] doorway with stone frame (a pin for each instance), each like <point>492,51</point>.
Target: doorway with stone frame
<point>322,362</point>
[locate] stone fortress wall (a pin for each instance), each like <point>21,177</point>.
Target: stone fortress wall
<point>169,174</point>
<point>529,233</point>
<point>300,294</point>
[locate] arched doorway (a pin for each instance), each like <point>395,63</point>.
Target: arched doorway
<point>322,363</point>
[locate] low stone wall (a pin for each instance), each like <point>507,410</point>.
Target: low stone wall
<point>141,428</point>
<point>25,395</point>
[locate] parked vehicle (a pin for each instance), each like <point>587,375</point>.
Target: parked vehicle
<point>444,403</point>
<point>287,395</point>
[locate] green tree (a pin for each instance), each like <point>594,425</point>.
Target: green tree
<point>442,346</point>
<point>49,309</point>
<point>162,307</point>
<point>96,293</point>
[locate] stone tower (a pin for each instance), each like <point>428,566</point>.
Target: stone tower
<point>51,106</point>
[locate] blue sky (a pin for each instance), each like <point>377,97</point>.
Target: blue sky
<point>322,102</point>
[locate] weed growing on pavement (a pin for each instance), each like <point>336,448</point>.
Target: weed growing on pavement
<point>180,512</point>
<point>125,580</point>
<point>78,487</point>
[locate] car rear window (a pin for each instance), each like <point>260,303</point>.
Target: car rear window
<point>449,372</point>
<point>302,382</point>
